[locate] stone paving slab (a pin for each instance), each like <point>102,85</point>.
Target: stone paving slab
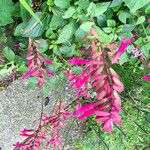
<point>19,107</point>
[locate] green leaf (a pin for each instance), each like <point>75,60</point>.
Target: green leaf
<point>27,7</point>
<point>95,10</point>
<point>19,29</point>
<point>123,58</point>
<point>140,20</point>
<point>56,21</point>
<point>67,32</point>
<point>115,3</point>
<point>9,54</point>
<point>83,4</point>
<point>101,8</point>
<point>103,37</point>
<point>62,3</point>
<point>86,26</point>
<point>146,49</point>
<point>119,28</point>
<point>107,29</point>
<point>67,51</point>
<point>111,23</point>
<point>68,14</point>
<point>35,29</point>
<point>128,28</point>
<point>43,45</point>
<point>6,9</point>
<point>147,10</point>
<point>134,5</point>
<point>123,15</point>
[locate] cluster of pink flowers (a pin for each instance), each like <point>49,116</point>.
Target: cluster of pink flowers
<point>35,62</point>
<point>35,137</point>
<point>105,82</point>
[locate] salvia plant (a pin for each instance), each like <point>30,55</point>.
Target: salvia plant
<point>78,43</point>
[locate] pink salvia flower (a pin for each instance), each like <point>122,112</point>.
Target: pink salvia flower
<point>18,144</point>
<point>35,64</point>
<point>121,49</point>
<point>76,61</point>
<point>146,78</point>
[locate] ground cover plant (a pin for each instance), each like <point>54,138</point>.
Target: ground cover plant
<point>100,49</point>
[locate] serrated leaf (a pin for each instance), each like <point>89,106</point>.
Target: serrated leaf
<point>111,23</point>
<point>6,9</point>
<point>62,3</point>
<point>56,21</point>
<point>83,4</point>
<point>107,29</point>
<point>95,10</point>
<point>71,10</point>
<point>127,28</point>
<point>67,51</point>
<point>140,20</point>
<point>123,15</point>
<point>103,37</point>
<point>115,3</point>
<point>67,32</point>
<point>134,5</point>
<point>9,54</point>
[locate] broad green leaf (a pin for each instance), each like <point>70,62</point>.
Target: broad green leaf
<point>28,8</point>
<point>123,15</point>
<point>56,21</point>
<point>107,29</point>
<point>111,23</point>
<point>134,5</point>
<point>35,29</point>
<point>115,3</point>
<point>119,29</point>
<point>139,41</point>
<point>67,32</point>
<point>62,3</point>
<point>86,26</point>
<point>140,20</point>
<point>101,8</point>
<point>147,10</point>
<point>19,29</point>
<point>103,37</point>
<point>95,10</point>
<point>127,28</point>
<point>123,58</point>
<point>6,9</point>
<point>146,49</point>
<point>9,54</point>
<point>68,14</point>
<point>83,4</point>
<point>67,51</point>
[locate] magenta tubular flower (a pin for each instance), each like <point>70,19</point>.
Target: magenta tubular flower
<point>146,78</point>
<point>99,77</point>
<point>121,49</point>
<point>18,144</point>
<point>35,61</point>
